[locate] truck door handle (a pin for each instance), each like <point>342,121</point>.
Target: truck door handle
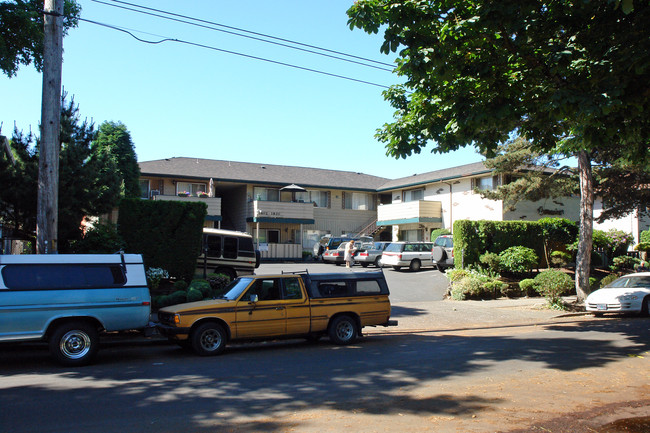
<point>279,308</point>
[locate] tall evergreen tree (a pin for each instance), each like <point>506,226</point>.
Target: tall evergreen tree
<point>114,139</point>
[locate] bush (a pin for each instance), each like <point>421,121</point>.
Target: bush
<point>218,283</point>
<point>552,284</point>
<point>492,261</point>
<point>642,246</point>
<point>476,286</point>
<point>102,238</point>
<point>194,295</point>
<point>560,259</point>
<point>202,286</point>
<point>527,287</point>
<point>518,259</point>
<point>455,275</point>
<point>624,263</point>
<point>608,279</point>
<point>439,232</point>
<point>178,297</point>
<point>180,285</point>
<point>644,236</point>
<point>155,276</point>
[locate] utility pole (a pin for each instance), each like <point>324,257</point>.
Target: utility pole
<point>48,164</point>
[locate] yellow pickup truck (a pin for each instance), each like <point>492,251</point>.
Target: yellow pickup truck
<point>264,307</point>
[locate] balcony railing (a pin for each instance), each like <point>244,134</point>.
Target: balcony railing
<point>259,210</point>
<point>214,203</point>
<point>409,212</point>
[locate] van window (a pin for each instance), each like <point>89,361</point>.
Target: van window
<point>229,247</point>
<point>214,245</point>
<point>57,277</point>
<point>246,244</point>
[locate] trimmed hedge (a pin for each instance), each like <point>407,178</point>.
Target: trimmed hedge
<point>166,233</point>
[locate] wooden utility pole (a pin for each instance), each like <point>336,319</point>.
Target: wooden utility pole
<point>48,164</point>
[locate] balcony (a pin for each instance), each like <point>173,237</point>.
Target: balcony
<point>421,211</point>
<point>280,212</point>
<point>214,204</point>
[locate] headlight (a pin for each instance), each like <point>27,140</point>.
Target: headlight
<point>627,298</point>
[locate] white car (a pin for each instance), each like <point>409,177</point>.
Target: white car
<point>628,294</point>
<point>412,254</point>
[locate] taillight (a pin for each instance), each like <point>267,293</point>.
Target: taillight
<point>363,254</point>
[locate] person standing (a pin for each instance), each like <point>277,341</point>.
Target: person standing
<point>349,254</point>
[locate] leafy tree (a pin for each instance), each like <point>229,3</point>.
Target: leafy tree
<point>564,75</point>
<point>115,139</point>
<point>89,181</point>
<point>21,32</point>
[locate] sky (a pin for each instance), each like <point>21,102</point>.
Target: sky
<point>179,99</point>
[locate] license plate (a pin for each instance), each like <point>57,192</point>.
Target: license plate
<point>602,306</point>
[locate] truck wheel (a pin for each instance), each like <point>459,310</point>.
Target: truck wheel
<point>415,266</point>
<point>343,330</point>
<point>74,343</point>
<point>209,339</point>
<point>397,268</point>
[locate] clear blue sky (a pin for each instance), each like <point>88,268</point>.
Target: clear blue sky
<point>182,100</point>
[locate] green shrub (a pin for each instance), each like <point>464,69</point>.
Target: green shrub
<point>439,232</point>
<point>102,238</point>
<point>527,287</point>
<point>202,286</point>
<point>155,276</point>
<point>624,263</point>
<point>608,279</point>
<point>455,275</point>
<point>511,290</point>
<point>518,259</point>
<point>560,259</point>
<point>180,285</point>
<point>642,246</point>
<point>475,286</point>
<point>552,284</point>
<point>644,236</point>
<point>178,297</point>
<point>194,295</point>
<point>492,261</point>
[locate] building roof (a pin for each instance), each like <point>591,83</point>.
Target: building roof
<point>474,169</point>
<point>267,174</point>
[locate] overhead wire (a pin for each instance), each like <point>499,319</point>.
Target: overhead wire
<point>211,26</point>
<point>181,41</point>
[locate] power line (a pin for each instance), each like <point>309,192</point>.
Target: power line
<point>284,42</point>
<point>231,52</point>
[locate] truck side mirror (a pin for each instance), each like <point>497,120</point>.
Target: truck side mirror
<point>254,298</point>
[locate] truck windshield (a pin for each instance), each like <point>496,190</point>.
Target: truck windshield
<point>236,288</point>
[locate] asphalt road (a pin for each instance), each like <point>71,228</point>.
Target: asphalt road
<point>449,367</point>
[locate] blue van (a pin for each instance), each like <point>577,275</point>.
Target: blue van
<point>67,300</point>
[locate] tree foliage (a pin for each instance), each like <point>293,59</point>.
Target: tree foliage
<point>21,32</point>
<point>90,181</point>
<point>570,77</point>
<point>114,139</point>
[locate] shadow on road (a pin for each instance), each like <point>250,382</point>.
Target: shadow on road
<point>162,386</point>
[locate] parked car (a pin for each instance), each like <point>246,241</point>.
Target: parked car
<point>370,254</point>
<point>443,252</point>
<point>334,251</point>
<point>67,300</point>
<point>415,255</point>
<point>628,294</point>
<point>268,307</point>
<point>335,255</point>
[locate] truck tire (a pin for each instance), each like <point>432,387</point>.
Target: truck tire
<point>415,266</point>
<point>74,343</point>
<point>209,339</point>
<point>343,330</point>
<point>439,254</point>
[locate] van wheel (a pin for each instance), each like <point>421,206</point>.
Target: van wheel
<point>227,272</point>
<point>415,266</point>
<point>74,343</point>
<point>209,339</point>
<point>343,330</point>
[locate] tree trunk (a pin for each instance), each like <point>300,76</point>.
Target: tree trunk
<point>583,259</point>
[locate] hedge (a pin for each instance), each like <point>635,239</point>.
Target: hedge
<point>166,233</point>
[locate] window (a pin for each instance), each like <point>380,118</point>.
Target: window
<point>291,289</point>
<point>485,182</point>
<point>213,243</point>
<point>319,198</point>
<point>273,236</point>
<point>358,201</point>
<point>192,188</point>
<point>144,188</point>
<point>414,195</point>
<point>411,235</point>
<point>265,289</point>
<point>266,194</point>
<point>367,287</point>
<point>229,247</point>
<point>56,277</point>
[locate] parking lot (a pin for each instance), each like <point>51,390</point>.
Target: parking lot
<point>426,285</point>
